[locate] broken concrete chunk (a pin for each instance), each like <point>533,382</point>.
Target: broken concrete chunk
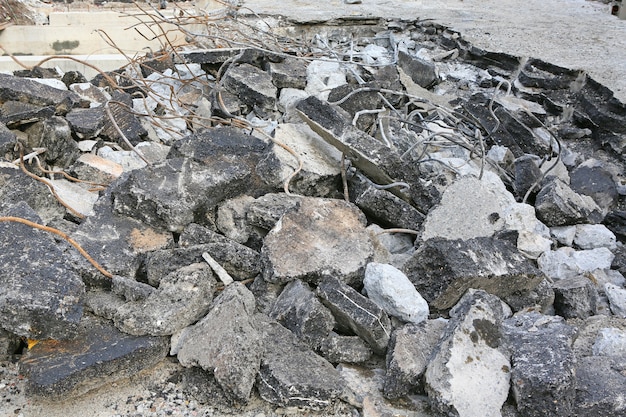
<point>55,135</point>
<point>121,110</point>
<point>41,294</point>
<point>320,171</point>
<point>265,211</point>
<point>231,218</point>
<point>378,162</point>
<point>384,206</point>
<point>93,168</point>
<point>99,355</point>
<point>171,193</point>
<point>540,298</point>
<point>442,270</point>
<point>226,342</point>
<point>558,205</point>
<point>292,375</point>
<point>15,186</point>
<point>469,351</point>
<point>600,383</point>
<point>299,310</point>
<point>344,349</point>
<point>591,236</point>
<point>252,85</point>
<point>87,123</point>
<point>575,297</point>
<point>543,376</point>
<point>483,213</point>
<point>130,289</point>
<point>357,313</point>
<point>388,287</point>
<point>321,237</point>
<point>410,349</point>
<point>117,242</point>
<point>617,299</point>
<point>610,342</point>
<point>592,179</point>
<point>183,297</point>
<point>422,72</point>
<point>29,91</point>
<point>16,113</point>
<point>239,261</point>
<point>566,262</point>
<point>290,73</point>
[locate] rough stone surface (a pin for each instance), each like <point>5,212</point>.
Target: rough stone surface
<point>41,293</point>
<point>409,353</point>
<point>388,287</point>
<point>225,342</point>
<point>543,376</point>
<point>321,237</point>
<point>540,298</point>
<point>422,72</point>
<point>117,242</point>
<point>442,270</point>
<point>320,171</point>
<point>591,178</point>
<point>575,297</point>
<point>183,297</point>
<point>610,342</point>
<point>336,348</point>
<point>558,205</point>
<point>384,206</point>
<point>124,118</point>
<point>29,91</point>
<point>591,236</point>
<point>55,135</point>
<point>291,374</point>
<point>617,299</point>
<point>99,355</point>
<point>252,85</point>
<point>290,73</point>
<point>299,310</point>
<point>568,263</point>
<point>173,194</point>
<point>483,214</point>
<point>600,383</point>
<point>356,312</point>
<point>469,352</point>
<point>15,186</point>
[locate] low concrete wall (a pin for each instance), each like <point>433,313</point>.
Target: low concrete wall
<point>76,33</point>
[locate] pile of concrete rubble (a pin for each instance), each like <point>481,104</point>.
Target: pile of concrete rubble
<point>396,219</point>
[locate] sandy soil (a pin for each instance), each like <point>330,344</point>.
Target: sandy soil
<point>576,34</point>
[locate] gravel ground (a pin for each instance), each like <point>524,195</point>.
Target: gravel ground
<point>573,33</point>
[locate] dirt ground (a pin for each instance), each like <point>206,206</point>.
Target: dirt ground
<point>577,34</point>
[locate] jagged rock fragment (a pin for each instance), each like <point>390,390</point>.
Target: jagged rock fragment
<point>543,376</point>
<point>99,355</point>
<point>558,205</point>
<point>299,310</point>
<point>442,270</point>
<point>321,237</point>
<point>356,312</point>
<point>469,351</point>
<point>292,375</point>
<point>41,293</point>
<point>183,297</point>
<point>410,349</point>
<point>225,342</point>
